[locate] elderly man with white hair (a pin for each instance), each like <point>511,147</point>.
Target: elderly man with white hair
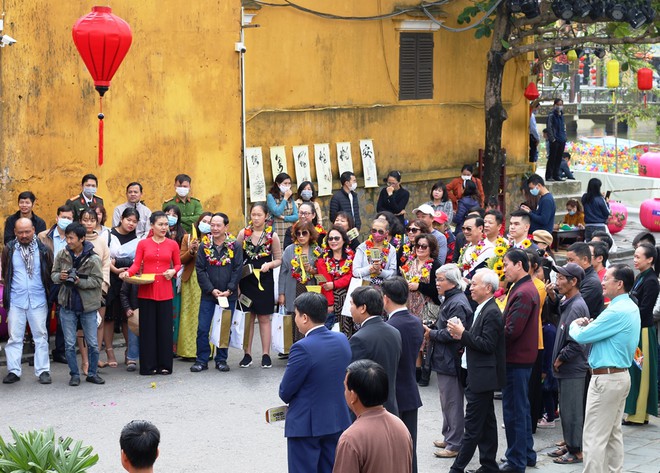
<point>445,359</point>
<point>485,363</point>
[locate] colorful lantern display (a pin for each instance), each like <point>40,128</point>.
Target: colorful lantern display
<point>102,39</point>
<point>649,164</point>
<point>645,81</point>
<point>619,217</point>
<point>532,92</point>
<point>649,214</point>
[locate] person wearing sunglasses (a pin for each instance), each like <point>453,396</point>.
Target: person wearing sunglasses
<point>306,213</point>
<point>477,250</point>
<point>375,259</point>
<point>336,268</point>
<point>344,220</point>
<point>407,249</point>
<point>298,268</point>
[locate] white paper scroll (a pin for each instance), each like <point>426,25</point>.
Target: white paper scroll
<point>301,160</point>
<point>255,166</point>
<point>278,160</point>
<point>369,163</point>
<point>323,168</point>
<point>344,158</point>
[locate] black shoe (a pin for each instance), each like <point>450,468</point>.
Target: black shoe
<point>423,382</point>
<point>481,469</point>
<point>560,179</point>
<point>96,379</point>
<point>74,381</point>
<point>197,367</point>
<point>11,378</point>
<point>266,361</point>
<point>221,366</point>
<point>283,356</point>
<point>507,467</point>
<point>59,358</point>
<point>246,361</point>
<point>44,378</point>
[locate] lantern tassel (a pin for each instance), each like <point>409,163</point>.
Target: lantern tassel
<point>101,117</point>
<point>644,99</point>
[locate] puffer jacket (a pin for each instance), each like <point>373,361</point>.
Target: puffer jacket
<point>445,351</point>
<point>89,272</point>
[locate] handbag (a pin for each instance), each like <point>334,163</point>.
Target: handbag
<point>134,322</point>
<point>221,327</point>
<point>247,270</point>
<point>281,331</point>
<point>238,336</point>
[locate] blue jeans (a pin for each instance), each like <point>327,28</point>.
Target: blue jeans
<point>69,321</point>
<point>517,421</point>
<point>206,309</point>
<point>133,350</point>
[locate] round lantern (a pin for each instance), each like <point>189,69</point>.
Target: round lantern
<point>531,92</point>
<point>649,165</point>
<point>619,217</point>
<point>645,81</point>
<point>613,74</point>
<point>572,55</point>
<point>102,39</point>
<point>649,214</point>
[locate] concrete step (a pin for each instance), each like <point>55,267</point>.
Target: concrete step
<point>564,187</point>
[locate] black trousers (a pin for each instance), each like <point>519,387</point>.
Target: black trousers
<point>535,391</point>
<point>554,159</point>
<point>480,432</point>
<point>155,336</point>
<point>409,418</point>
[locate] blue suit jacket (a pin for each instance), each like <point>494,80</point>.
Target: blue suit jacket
<point>412,336</point>
<point>313,385</point>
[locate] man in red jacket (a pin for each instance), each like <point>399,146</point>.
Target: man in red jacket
<point>521,337</point>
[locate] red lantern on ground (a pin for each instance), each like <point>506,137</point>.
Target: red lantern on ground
<point>619,217</point>
<point>531,92</point>
<point>649,214</point>
<point>102,39</point>
<point>645,80</point>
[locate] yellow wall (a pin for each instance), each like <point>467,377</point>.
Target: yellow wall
<point>313,80</point>
<point>173,106</point>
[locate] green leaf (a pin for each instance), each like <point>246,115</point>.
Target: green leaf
<point>505,44</point>
<point>479,34</point>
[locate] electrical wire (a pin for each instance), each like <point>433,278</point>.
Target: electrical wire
<point>460,30</point>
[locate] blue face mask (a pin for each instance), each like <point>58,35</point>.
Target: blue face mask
<point>571,212</point>
<point>62,223</point>
<point>204,227</point>
<point>171,220</point>
<point>534,191</point>
<point>306,194</point>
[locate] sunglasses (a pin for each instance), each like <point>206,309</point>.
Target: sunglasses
<point>412,230</point>
<point>467,229</point>
<point>378,230</point>
<point>421,246</point>
<point>334,238</point>
<point>302,233</point>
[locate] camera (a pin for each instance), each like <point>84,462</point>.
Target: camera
<point>6,40</point>
<point>71,278</point>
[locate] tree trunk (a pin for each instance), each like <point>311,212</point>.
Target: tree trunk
<point>494,110</point>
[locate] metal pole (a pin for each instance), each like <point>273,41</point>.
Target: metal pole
<point>616,135</point>
<point>243,123</point>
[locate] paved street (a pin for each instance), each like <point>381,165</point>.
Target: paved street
<point>214,421</point>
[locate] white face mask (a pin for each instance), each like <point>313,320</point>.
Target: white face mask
<point>182,191</point>
<point>89,191</point>
<point>353,186</point>
<point>284,189</point>
<point>466,178</point>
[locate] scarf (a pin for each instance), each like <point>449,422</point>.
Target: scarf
<point>27,253</point>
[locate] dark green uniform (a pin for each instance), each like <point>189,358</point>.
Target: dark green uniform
<point>190,208</point>
<point>79,204</point>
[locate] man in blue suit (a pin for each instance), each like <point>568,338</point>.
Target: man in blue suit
<point>313,386</point>
<point>395,295</point>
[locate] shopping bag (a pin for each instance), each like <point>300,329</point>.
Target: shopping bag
<point>281,331</point>
<point>221,327</point>
<point>346,308</point>
<point>238,334</point>
<point>134,322</point>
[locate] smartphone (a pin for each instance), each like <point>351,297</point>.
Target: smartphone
<point>607,195</point>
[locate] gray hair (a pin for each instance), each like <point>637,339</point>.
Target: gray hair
<point>453,274</point>
<point>489,278</point>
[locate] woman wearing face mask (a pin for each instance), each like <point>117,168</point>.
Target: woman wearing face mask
<point>191,294</point>
<point>375,259</point>
<point>123,244</point>
<point>467,201</point>
<point>574,214</point>
<point>456,188</point>
<point>393,198</point>
<point>177,233</point>
<point>307,193</point>
<point>281,206</point>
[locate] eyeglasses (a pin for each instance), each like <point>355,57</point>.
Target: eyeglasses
<point>334,238</point>
<point>467,229</point>
<point>378,230</point>
<point>412,230</point>
<point>305,214</point>
<point>421,246</point>
<point>302,233</point>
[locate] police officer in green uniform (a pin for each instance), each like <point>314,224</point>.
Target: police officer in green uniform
<point>87,197</point>
<point>190,207</point>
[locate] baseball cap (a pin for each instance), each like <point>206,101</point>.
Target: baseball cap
<point>425,209</point>
<point>440,217</point>
<point>571,270</point>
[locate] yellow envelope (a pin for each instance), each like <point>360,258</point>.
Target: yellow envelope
<point>314,288</point>
<point>257,273</point>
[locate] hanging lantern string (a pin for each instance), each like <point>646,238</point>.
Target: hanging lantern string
<point>101,117</point>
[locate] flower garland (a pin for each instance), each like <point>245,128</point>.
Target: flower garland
<point>230,241</point>
<point>260,249</point>
<point>425,272</point>
<point>396,241</point>
<point>496,262</point>
<point>332,265</point>
<point>466,264</point>
<point>406,253</point>
<point>384,254</point>
<point>526,243</point>
<point>297,271</point>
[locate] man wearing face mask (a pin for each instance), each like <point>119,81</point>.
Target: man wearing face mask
<point>87,196</point>
<point>543,217</point>
<point>345,199</point>
<point>557,138</point>
<point>191,208</point>
<point>55,240</point>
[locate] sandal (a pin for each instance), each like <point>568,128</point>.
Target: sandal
<point>112,361</point>
<point>561,443</point>
<point>102,364</point>
<point>568,459</point>
<point>560,452</point>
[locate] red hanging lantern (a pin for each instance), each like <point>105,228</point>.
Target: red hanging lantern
<point>102,39</point>
<point>645,80</point>
<point>531,92</point>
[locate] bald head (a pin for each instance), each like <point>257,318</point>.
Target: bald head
<point>24,230</point>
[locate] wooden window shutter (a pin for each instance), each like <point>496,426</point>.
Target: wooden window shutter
<point>416,66</point>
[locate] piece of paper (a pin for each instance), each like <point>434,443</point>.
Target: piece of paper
<point>369,163</point>
<point>254,162</point>
<point>245,301</point>
<point>344,157</point>
<point>257,273</point>
<point>314,288</point>
<point>278,160</point>
<point>301,161</point>
<point>223,302</point>
<point>276,414</point>
<point>323,169</point>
